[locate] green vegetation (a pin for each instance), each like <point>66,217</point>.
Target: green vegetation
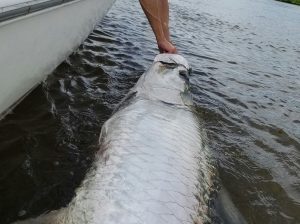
<point>296,2</point>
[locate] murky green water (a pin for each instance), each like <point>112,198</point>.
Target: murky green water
<point>245,56</point>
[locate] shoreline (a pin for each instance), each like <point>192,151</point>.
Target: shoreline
<point>294,2</point>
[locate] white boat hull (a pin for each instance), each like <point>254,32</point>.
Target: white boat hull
<point>31,46</point>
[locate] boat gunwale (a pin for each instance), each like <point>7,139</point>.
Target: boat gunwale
<point>10,12</point>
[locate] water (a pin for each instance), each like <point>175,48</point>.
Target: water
<point>245,56</point>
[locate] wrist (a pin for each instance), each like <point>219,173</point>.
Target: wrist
<point>161,40</point>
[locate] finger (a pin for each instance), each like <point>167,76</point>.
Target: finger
<point>172,51</point>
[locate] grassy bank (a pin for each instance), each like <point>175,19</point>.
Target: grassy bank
<point>296,2</point>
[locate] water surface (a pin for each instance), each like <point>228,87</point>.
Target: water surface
<point>245,56</point>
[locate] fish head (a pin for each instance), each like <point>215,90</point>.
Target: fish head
<point>167,80</point>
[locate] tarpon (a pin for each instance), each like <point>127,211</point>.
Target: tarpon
<point>153,164</point>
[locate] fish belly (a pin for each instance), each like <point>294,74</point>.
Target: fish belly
<point>152,168</point>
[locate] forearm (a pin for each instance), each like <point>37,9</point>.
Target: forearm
<point>157,12</point>
<point>164,16</point>
<point>152,10</point>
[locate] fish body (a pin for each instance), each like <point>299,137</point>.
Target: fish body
<point>152,165</point>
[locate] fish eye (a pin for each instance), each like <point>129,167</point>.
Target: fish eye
<point>184,74</point>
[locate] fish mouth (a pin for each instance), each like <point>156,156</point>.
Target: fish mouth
<point>172,60</point>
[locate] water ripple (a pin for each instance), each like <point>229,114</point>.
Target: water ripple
<point>245,84</point>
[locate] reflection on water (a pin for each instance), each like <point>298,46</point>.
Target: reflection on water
<point>245,82</point>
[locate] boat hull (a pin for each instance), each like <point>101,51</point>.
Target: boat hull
<point>33,45</point>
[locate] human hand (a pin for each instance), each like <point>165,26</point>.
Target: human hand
<point>165,46</point>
